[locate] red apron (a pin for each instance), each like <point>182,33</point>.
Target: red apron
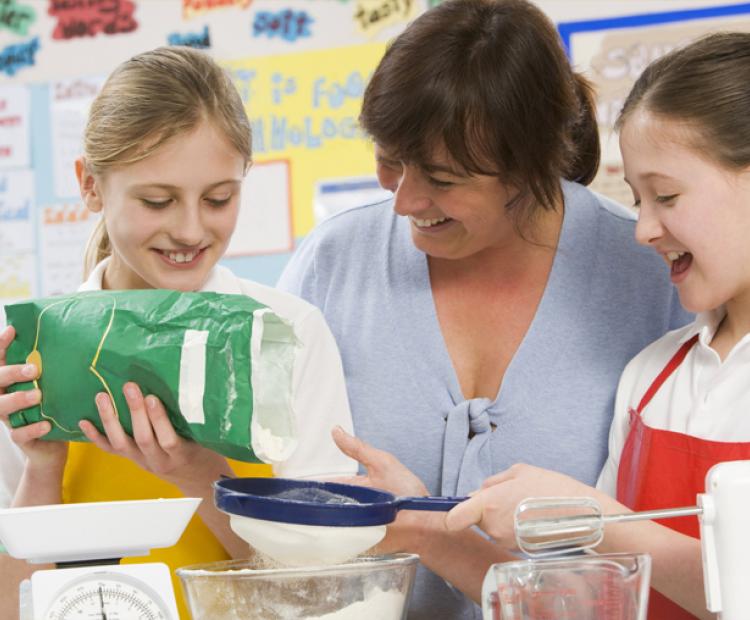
<point>665,469</point>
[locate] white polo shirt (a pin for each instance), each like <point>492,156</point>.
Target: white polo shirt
<point>319,400</point>
<point>704,397</point>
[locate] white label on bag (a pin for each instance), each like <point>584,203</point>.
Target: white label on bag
<point>193,376</point>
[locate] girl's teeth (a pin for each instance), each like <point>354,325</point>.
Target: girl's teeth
<point>180,257</point>
<point>673,256</point>
<point>428,223</point>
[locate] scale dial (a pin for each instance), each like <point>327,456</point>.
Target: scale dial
<point>107,596</point>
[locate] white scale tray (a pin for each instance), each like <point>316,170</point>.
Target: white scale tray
<point>95,530</point>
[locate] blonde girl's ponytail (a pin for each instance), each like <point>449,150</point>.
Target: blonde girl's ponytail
<point>97,248</point>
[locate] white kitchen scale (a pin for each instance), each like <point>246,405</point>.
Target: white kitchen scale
<point>86,542</point>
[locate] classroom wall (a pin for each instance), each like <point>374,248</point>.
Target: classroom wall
<point>300,66</point>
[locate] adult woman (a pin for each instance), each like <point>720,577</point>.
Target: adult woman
<point>485,314</point>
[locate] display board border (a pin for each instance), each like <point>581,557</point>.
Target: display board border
<point>568,29</point>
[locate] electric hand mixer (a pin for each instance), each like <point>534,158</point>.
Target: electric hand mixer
<point>724,515</point>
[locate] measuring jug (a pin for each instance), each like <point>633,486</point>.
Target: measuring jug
<point>554,525</point>
<point>596,587</point>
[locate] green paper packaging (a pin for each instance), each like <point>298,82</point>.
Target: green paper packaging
<point>221,364</point>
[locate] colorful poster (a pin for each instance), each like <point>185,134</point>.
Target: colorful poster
<point>612,53</point>
<point>303,108</point>
<point>15,112</point>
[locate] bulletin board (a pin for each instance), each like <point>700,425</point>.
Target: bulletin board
<point>300,66</point>
<point>613,52</point>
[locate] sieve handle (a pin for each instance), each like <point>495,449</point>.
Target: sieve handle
<point>429,503</point>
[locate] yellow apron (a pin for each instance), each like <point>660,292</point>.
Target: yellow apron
<point>92,475</point>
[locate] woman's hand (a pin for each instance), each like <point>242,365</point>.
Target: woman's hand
<point>44,456</point>
<point>155,445</point>
<point>493,507</point>
<point>386,472</point>
<point>461,558</point>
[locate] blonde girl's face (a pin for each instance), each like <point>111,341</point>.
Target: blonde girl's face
<point>170,216</point>
<point>693,211</point>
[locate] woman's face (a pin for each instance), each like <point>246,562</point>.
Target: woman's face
<point>170,216</point>
<point>452,215</point>
<point>693,211</point>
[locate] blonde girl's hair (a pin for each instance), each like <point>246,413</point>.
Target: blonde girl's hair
<point>147,101</point>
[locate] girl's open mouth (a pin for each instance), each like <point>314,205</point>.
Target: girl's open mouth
<point>680,262</point>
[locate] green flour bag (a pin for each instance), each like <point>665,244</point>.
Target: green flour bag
<point>221,364</point>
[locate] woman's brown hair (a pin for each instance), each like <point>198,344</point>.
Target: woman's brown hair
<point>490,81</point>
<point>150,99</point>
<point>706,86</point>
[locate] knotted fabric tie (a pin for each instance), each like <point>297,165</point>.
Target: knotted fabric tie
<point>466,462</point>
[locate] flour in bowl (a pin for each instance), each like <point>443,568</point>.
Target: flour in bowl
<point>378,605</point>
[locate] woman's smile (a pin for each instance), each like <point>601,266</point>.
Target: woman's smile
<point>431,224</point>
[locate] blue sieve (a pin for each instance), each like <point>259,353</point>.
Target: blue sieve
<point>310,502</point>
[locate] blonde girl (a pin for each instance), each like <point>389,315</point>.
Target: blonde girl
<point>166,148</point>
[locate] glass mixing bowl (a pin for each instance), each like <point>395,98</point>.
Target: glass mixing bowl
<point>367,587</point>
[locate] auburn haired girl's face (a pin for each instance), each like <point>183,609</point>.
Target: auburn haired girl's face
<point>170,216</point>
<point>693,211</point>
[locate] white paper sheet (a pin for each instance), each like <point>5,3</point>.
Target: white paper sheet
<point>17,278</point>
<point>265,223</point>
<point>64,230</point>
<point>69,107</point>
<point>334,195</point>
<point>16,212</point>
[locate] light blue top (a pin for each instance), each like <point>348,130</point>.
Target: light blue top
<point>606,298</point>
